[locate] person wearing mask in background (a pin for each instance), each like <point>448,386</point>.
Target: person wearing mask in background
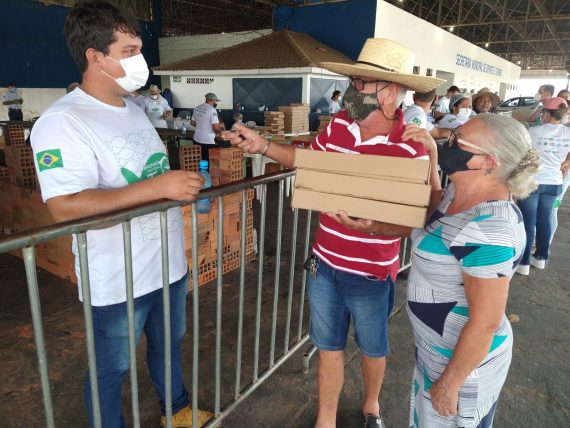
<point>552,141</point>
<point>353,273</point>
<point>442,105</point>
<point>564,93</point>
<point>461,112</point>
<point>205,119</point>
<point>136,98</point>
<point>334,105</point>
<point>545,92</point>
<point>417,114</point>
<point>156,107</point>
<point>484,101</point>
<point>71,87</point>
<point>13,100</point>
<point>238,118</point>
<point>96,152</point>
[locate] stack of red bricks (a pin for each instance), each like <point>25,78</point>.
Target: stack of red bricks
<point>190,157</point>
<point>226,166</point>
<point>208,236</point>
<point>22,209</point>
<point>19,158</point>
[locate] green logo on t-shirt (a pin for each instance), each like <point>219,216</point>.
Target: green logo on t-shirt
<point>49,159</point>
<point>155,165</point>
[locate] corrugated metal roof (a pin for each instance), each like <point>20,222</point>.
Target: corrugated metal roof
<point>281,49</point>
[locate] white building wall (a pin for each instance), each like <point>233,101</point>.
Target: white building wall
<point>440,49</point>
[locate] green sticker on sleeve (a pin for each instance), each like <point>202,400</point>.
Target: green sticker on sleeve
<point>49,159</point>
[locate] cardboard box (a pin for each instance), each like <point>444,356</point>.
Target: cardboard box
<point>387,189</point>
<point>383,167</point>
<point>404,215</point>
<point>364,187</point>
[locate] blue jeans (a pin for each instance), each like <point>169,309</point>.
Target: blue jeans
<point>112,350</point>
<point>554,215</point>
<point>336,296</point>
<point>536,211</point>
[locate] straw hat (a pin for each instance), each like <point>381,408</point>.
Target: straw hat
<point>486,91</point>
<point>387,60</point>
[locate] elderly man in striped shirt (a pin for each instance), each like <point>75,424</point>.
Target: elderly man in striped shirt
<point>353,271</point>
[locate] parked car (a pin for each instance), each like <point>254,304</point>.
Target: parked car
<point>522,108</point>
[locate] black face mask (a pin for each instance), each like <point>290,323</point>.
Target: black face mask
<point>215,105</point>
<point>453,159</point>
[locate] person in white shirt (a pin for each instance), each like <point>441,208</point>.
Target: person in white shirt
<point>12,98</point>
<point>417,114</point>
<point>334,106</point>
<point>156,107</point>
<point>96,152</point>
<point>461,112</point>
<point>71,87</point>
<point>205,119</point>
<point>552,142</point>
<point>442,104</point>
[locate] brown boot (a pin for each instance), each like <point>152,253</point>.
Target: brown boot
<point>183,419</point>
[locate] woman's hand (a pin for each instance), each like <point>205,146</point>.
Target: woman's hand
<point>246,139</point>
<point>359,224</point>
<point>565,167</point>
<point>443,398</point>
<point>420,135</point>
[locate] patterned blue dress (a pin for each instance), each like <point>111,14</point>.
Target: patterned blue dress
<point>486,241</point>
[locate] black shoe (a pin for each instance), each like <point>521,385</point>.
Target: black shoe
<point>373,421</point>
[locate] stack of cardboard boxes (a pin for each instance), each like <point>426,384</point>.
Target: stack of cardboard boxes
<point>274,122</point>
<point>323,122</point>
<point>387,189</point>
<point>296,117</point>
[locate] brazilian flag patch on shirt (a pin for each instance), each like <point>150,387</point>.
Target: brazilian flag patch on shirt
<point>49,159</point>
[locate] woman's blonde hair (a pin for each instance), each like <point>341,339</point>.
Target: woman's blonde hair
<point>509,141</point>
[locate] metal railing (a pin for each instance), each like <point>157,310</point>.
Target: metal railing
<point>28,240</point>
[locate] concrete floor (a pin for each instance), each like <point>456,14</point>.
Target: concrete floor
<point>536,393</point>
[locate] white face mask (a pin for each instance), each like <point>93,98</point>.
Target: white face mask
<point>136,73</point>
<point>154,97</point>
<point>464,114</point>
<point>537,97</point>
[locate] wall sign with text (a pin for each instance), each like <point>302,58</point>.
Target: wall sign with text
<point>199,80</point>
<point>464,61</point>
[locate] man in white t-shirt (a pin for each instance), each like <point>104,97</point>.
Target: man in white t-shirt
<point>205,119</point>
<point>334,106</point>
<point>156,107</point>
<point>417,114</point>
<point>13,100</point>
<point>96,152</point>
<point>442,105</point>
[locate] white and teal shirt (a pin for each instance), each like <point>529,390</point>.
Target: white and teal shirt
<point>553,145</point>
<point>486,241</point>
<point>416,114</point>
<point>81,143</point>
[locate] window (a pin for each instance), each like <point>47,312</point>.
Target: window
<point>527,101</point>
<point>429,72</point>
<point>416,69</point>
<point>513,102</point>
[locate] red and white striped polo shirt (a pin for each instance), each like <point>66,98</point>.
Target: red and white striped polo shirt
<point>347,249</point>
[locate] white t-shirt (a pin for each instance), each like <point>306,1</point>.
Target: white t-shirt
<point>442,105</point>
<point>11,96</point>
<point>205,116</point>
<point>450,121</point>
<point>154,109</point>
<point>553,144</point>
<point>334,107</point>
<point>416,114</point>
<point>81,143</point>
